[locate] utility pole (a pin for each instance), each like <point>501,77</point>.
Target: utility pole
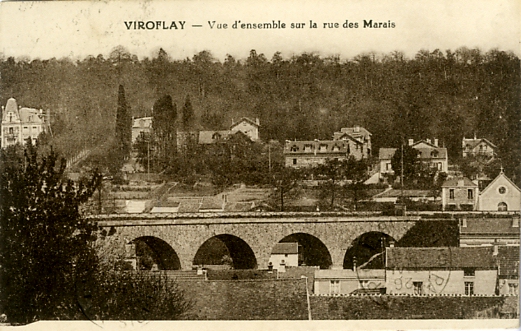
<point>148,159</point>
<point>269,157</point>
<point>401,175</point>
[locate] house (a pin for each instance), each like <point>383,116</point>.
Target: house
<point>441,270</point>
<point>478,147</point>
<point>508,273</point>
<point>247,126</point>
<point>141,125</point>
<point>488,231</point>
<point>21,123</point>
<point>286,254</point>
<point>347,281</point>
<point>348,142</point>
<point>459,194</point>
<point>357,133</point>
<point>429,152</point>
<point>301,154</point>
<point>500,195</point>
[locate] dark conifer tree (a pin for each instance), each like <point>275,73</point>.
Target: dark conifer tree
<point>123,125</point>
<point>188,114</point>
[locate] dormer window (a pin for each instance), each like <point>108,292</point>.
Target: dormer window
<point>216,136</point>
<point>336,148</point>
<point>322,148</point>
<point>308,148</point>
<point>294,148</point>
<point>434,154</point>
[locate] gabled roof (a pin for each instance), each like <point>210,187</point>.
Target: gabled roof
<point>29,115</point>
<point>147,121</point>
<point>508,260</point>
<point>473,142</point>
<point>424,141</point>
<point>489,226</point>
<point>245,119</point>
<point>456,182</point>
<point>285,248</point>
<point>357,130</point>
<point>341,135</point>
<point>501,175</point>
<point>440,257</point>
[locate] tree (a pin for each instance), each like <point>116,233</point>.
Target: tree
<point>123,126</point>
<point>45,240</point>
<point>356,174</point>
<point>410,158</point>
<point>333,170</point>
<point>188,114</point>
<point>284,180</point>
<point>164,125</point>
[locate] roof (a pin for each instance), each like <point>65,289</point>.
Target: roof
<point>508,260</point>
<point>26,115</point>
<point>211,203</point>
<point>459,182</point>
<point>498,177</point>
<point>356,131</point>
<point>239,206</point>
<point>362,274</point>
<point>440,257</point>
<point>207,137</point>
<point>473,142</point>
<point>285,248</point>
<point>142,122</point>
<point>245,119</point>
<point>318,146</point>
<point>426,142</point>
<point>392,193</point>
<point>424,153</point>
<point>386,153</point>
<point>432,153</point>
<point>489,226</point>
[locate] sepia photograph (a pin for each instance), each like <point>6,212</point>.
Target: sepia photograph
<point>260,164</point>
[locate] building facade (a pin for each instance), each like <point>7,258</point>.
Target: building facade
<point>429,152</point>
<point>459,194</point>
<point>20,124</point>
<point>489,231</point>
<point>500,195</point>
<point>441,270</point>
<point>247,126</point>
<point>347,281</point>
<point>478,147</point>
<point>286,254</point>
<point>355,142</point>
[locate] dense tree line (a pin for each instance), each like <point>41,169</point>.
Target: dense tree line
<point>435,94</point>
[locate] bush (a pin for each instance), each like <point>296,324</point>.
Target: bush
<point>128,295</point>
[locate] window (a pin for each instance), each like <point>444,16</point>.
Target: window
<point>336,148</point>
<point>451,193</point>
<point>434,154</point>
<point>515,223</point>
<point>10,130</point>
<point>294,148</point>
<point>502,190</point>
<point>469,288</point>
<point>308,147</point>
<point>322,148</point>
<point>502,206</point>
<point>334,287</point>
<point>418,287</point>
<point>388,166</point>
<point>470,194</point>
<point>439,165</point>
<point>294,161</point>
<point>469,272</point>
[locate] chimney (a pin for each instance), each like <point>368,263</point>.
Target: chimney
<point>391,244</point>
<point>461,182</point>
<point>436,142</point>
<point>411,141</point>
<point>357,128</point>
<point>428,140</point>
<point>257,121</point>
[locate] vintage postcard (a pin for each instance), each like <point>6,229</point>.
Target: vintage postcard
<point>260,164</point>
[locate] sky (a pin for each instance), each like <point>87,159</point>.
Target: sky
<point>81,28</point>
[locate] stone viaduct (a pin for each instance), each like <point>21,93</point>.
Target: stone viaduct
<point>181,235</point>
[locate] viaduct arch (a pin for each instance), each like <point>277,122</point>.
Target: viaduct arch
<point>186,235</point>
